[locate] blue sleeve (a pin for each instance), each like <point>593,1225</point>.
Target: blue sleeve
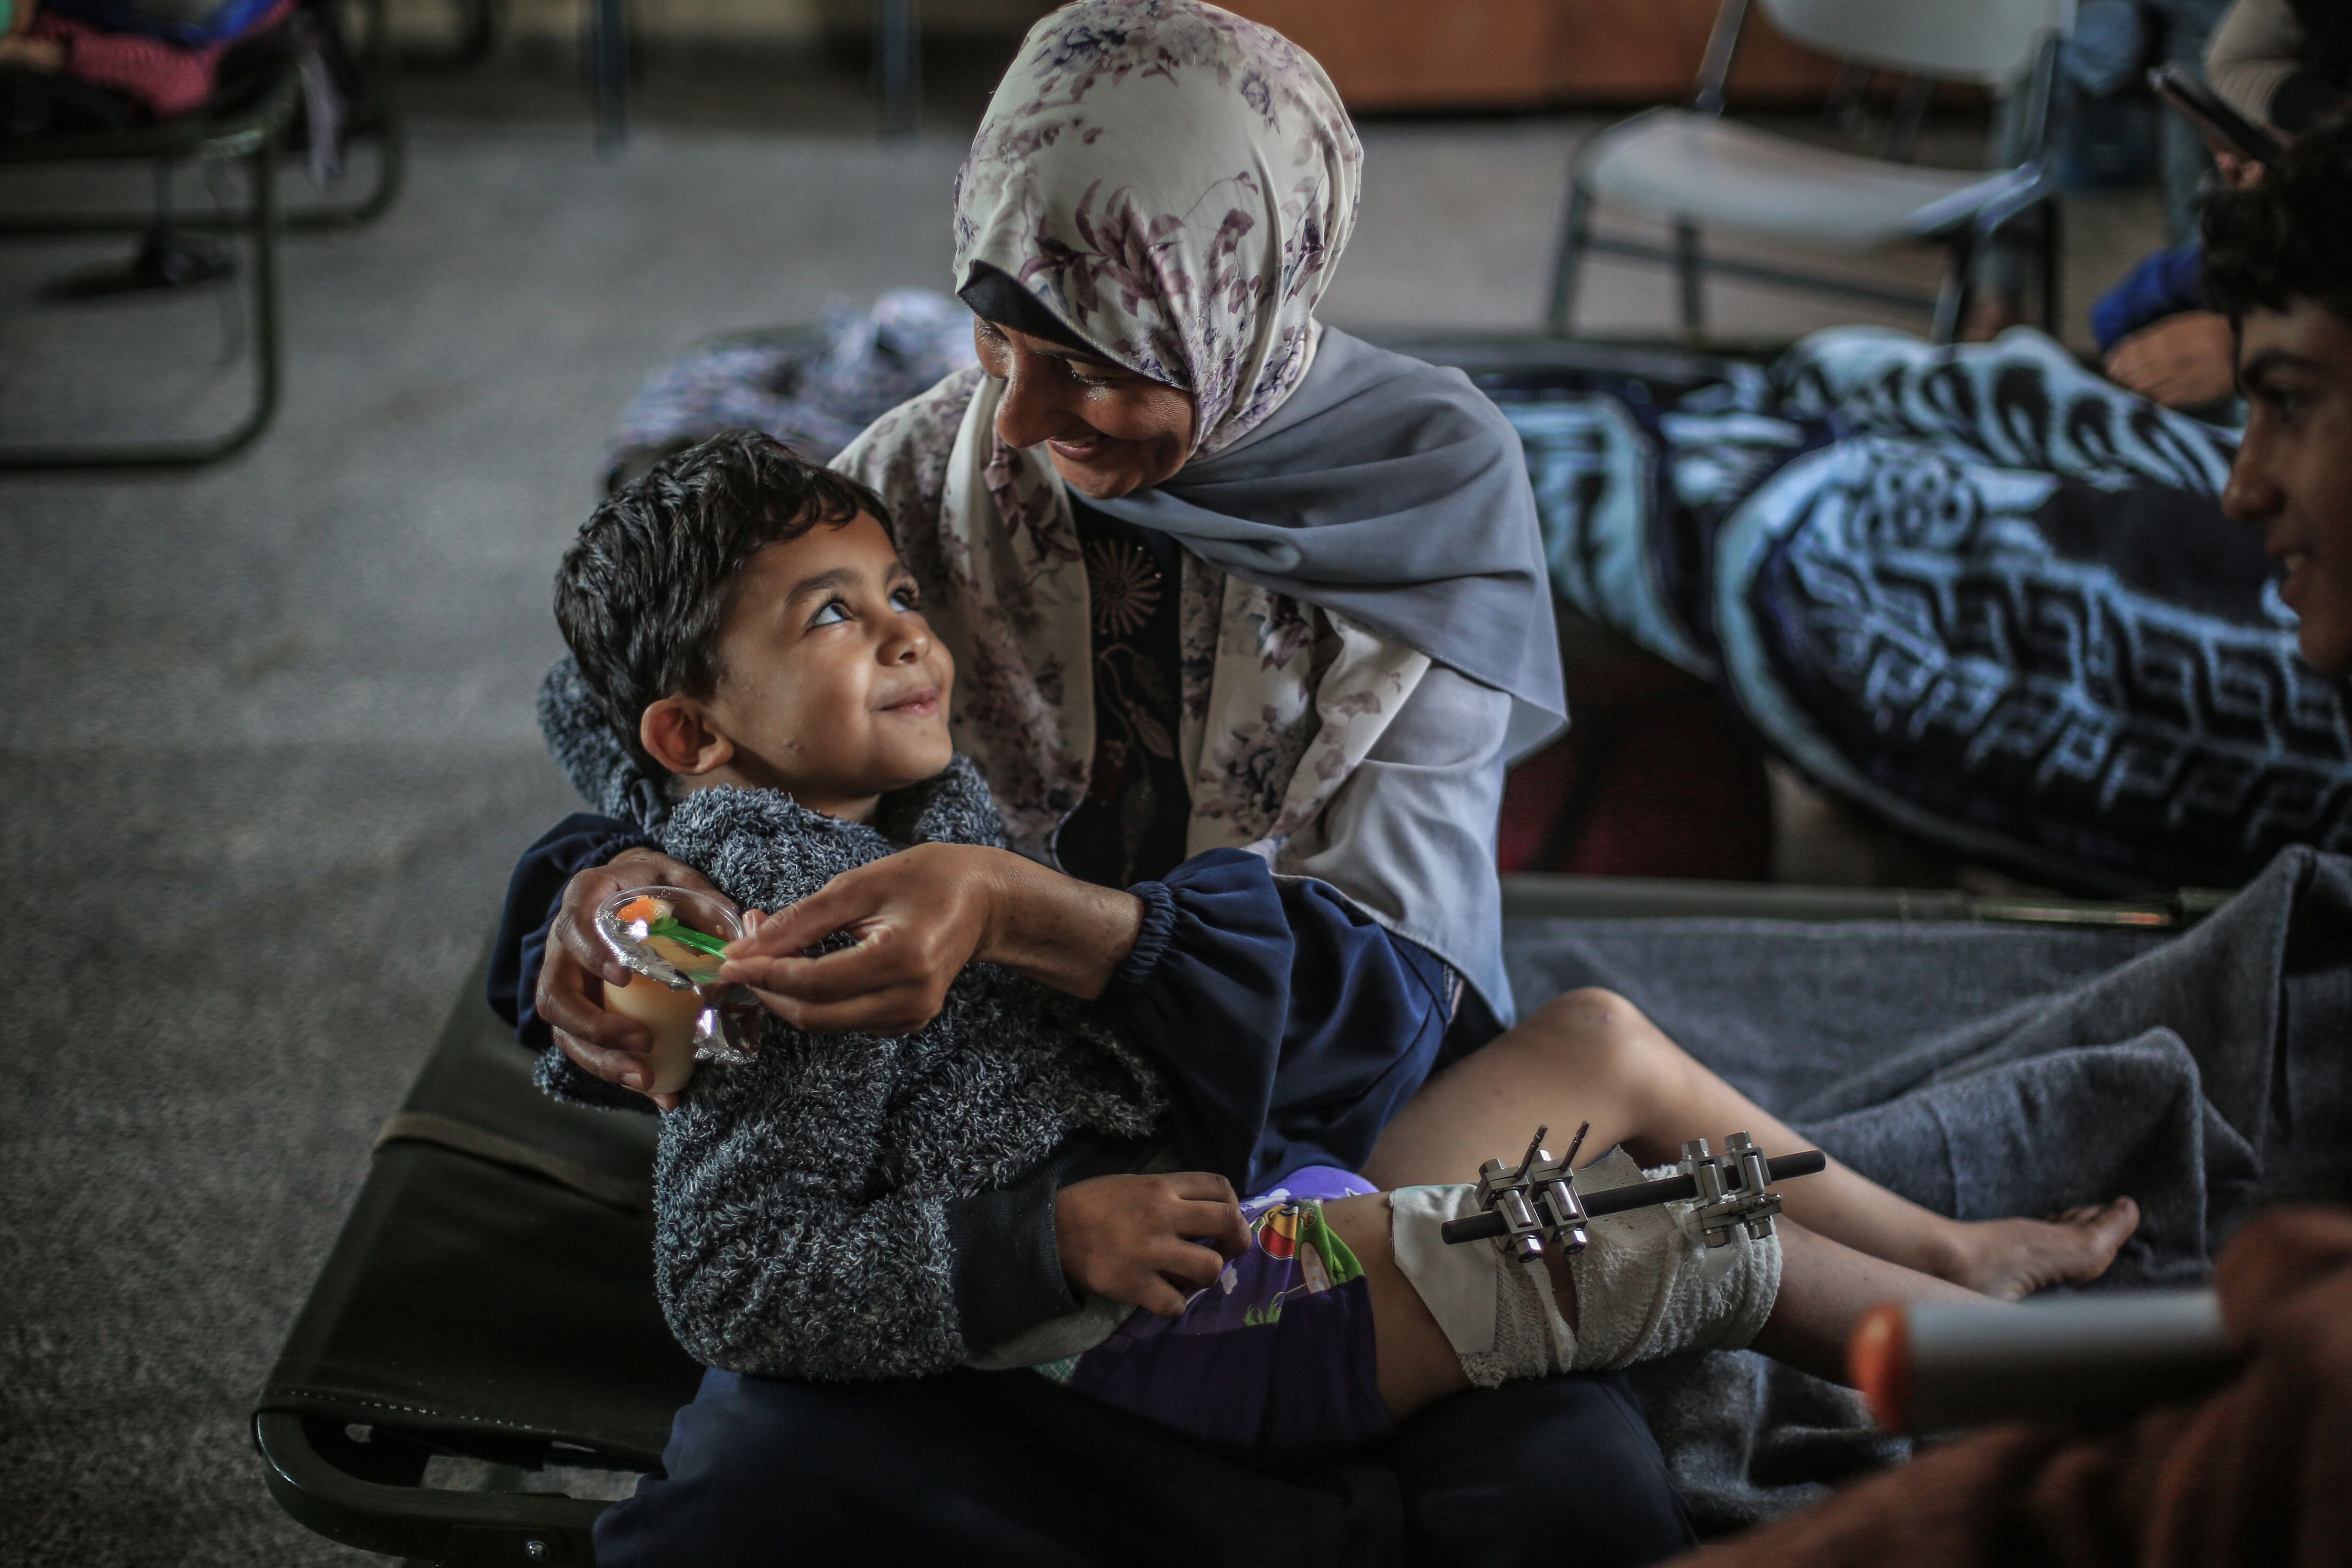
<point>533,893</point>
<point>2164,284</point>
<point>1005,1253</point>
<point>1290,1026</point>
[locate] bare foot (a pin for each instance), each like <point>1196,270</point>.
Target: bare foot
<point>2012,1259</point>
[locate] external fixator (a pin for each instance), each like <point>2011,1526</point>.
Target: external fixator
<point>1528,1209</point>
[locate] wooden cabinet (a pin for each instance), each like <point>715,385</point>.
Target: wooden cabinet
<point>1502,54</point>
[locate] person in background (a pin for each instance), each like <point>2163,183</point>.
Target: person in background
<point>2279,264</point>
<point>2155,337</point>
<point>2258,1471</point>
<point>18,48</point>
<point>2114,43</point>
<point>93,65</point>
<point>2285,64</point>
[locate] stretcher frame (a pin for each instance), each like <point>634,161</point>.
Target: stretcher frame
<point>588,1171</point>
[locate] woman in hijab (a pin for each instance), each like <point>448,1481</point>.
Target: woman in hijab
<point>1249,617</point>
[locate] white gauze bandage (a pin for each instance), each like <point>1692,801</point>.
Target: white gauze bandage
<point>1648,1285</point>
<point>1498,1314</point>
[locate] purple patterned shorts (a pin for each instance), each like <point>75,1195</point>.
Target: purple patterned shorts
<point>1272,1362</point>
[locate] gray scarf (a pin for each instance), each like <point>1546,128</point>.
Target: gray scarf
<point>1394,493</point>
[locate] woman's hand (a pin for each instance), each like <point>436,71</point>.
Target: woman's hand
<point>1138,1239</point>
<point>919,917</point>
<point>609,1046</point>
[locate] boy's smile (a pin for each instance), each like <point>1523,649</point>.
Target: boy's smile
<point>830,683</point>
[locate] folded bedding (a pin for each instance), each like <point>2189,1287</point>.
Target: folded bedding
<point>1986,1071</point>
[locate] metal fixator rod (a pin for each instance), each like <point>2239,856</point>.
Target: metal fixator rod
<point>1528,1210</point>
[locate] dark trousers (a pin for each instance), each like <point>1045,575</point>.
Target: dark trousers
<point>1005,1467</point>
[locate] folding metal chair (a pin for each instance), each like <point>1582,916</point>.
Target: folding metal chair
<point>1699,171</point>
<point>898,67</point>
<point>247,125</point>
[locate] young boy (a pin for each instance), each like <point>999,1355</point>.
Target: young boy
<point>741,622</point>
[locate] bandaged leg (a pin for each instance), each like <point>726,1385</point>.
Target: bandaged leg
<point>1648,1285</point>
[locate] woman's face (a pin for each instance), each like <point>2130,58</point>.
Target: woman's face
<point>1107,430</point>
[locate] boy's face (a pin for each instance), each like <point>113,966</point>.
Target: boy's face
<point>2293,478</point>
<point>830,682</point>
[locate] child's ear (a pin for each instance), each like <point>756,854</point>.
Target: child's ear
<point>678,736</point>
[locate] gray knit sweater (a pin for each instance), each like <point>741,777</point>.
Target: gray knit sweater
<point>805,1203</point>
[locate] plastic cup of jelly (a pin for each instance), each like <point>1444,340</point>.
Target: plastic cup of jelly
<point>661,934</point>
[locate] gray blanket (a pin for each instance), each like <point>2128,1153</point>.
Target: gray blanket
<point>1984,1071</point>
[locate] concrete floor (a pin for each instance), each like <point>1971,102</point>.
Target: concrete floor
<point>270,750</point>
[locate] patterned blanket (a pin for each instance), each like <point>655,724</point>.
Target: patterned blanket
<point>1979,592</point>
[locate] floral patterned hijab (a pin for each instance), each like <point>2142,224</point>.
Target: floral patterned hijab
<point>1174,184</point>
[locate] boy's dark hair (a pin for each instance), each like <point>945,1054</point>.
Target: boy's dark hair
<point>2290,237</point>
<point>644,590</point>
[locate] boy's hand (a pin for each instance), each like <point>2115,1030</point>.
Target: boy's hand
<point>1149,1241</point>
<point>570,996</point>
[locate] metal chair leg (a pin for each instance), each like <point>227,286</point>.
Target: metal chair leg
<point>1910,113</point>
<point>391,139</point>
<point>378,100</point>
<point>480,34</point>
<point>897,66</point>
<point>1569,261</point>
<point>269,361</point>
<point>1687,264</point>
<point>612,74</point>
<point>1843,104</point>
<point>263,227</point>
<point>2053,276</point>
<point>1952,297</point>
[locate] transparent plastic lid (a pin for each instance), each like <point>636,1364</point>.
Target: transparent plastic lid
<point>673,936</point>
<point>669,934</point>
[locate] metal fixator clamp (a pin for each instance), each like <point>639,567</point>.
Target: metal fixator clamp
<point>1537,1202</point>
<point>1528,1209</point>
<point>1742,1202</point>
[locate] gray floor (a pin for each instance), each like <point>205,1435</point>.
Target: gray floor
<point>268,748</point>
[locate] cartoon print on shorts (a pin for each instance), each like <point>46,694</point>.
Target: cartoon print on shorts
<point>1306,1257</point>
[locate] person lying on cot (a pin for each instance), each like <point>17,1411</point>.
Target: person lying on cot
<point>744,624</point>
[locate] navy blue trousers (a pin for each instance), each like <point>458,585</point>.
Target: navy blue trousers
<point>979,1468</point>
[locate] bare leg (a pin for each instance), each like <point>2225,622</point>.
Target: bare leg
<point>1416,1363</point>
<point>1591,1055</point>
<point>1824,1290</point>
